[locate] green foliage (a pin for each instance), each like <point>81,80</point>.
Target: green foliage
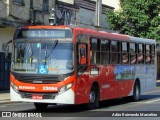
<point>139,18</point>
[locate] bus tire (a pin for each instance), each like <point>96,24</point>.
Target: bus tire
<point>93,98</point>
<point>41,106</point>
<point>136,92</point>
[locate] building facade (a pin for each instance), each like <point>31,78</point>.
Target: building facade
<point>15,13</point>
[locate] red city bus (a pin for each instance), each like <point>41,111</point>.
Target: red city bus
<point>59,64</point>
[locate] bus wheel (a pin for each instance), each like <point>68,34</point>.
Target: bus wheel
<point>41,106</point>
<point>93,98</point>
<point>136,93</point>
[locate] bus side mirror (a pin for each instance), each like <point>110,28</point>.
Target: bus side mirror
<point>82,54</point>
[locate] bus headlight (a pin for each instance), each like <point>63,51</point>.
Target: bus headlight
<point>15,88</point>
<point>65,88</point>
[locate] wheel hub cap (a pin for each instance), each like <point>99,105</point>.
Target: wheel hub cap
<point>92,97</point>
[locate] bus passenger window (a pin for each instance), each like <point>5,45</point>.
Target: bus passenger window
<point>105,52</point>
<point>125,56</point>
<point>148,54</point>
<point>140,54</point>
<point>115,52</point>
<point>105,57</point>
<point>95,51</point>
<point>82,54</point>
<point>133,58</point>
<point>152,54</point>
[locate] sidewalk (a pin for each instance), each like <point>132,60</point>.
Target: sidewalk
<point>5,96</point>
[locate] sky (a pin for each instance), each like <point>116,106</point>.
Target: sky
<point>113,3</point>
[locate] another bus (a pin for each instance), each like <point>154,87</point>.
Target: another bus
<point>59,64</point>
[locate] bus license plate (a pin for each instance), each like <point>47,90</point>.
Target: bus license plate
<point>38,97</point>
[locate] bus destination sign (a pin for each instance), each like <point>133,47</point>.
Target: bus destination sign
<point>43,33</point>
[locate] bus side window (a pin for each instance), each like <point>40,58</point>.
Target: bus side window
<point>82,54</point>
<point>115,54</point>
<point>148,54</point>
<point>82,49</point>
<point>95,51</point>
<point>105,49</point>
<point>125,55</point>
<point>140,54</point>
<point>132,50</point>
<point>152,54</point>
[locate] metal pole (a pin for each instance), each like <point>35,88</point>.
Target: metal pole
<point>98,12</point>
<point>52,19</point>
<point>54,6</point>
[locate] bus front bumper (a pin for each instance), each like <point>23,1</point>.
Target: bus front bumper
<point>68,97</point>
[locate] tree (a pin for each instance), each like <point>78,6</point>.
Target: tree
<point>139,18</point>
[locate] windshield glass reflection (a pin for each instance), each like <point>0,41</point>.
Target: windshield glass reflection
<point>43,58</point>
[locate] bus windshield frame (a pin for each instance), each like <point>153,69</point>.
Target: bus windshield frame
<point>49,56</point>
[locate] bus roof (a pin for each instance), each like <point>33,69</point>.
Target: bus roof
<point>94,33</point>
<point>102,34</point>
<point>142,40</point>
<point>42,27</point>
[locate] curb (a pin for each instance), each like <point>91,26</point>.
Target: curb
<point>5,101</point>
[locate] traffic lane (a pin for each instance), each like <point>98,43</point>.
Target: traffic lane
<point>148,102</point>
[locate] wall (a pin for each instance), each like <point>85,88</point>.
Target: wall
<point>87,19</point>
<point>40,16</point>
<point>3,8</point>
<point>66,15</point>
<point>20,11</point>
<point>82,16</point>
<point>6,34</point>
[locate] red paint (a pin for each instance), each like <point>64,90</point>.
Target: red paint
<point>109,87</point>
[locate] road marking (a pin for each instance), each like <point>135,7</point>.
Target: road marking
<point>3,106</point>
<point>122,107</point>
<point>151,92</point>
<point>151,101</point>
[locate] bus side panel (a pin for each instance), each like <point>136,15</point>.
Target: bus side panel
<point>146,74</point>
<point>85,82</point>
<point>116,82</point>
<point>81,89</point>
<point>124,76</point>
<point>109,86</point>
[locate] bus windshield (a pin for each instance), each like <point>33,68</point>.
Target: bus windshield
<point>43,58</point>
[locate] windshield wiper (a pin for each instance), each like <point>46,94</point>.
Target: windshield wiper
<point>54,45</point>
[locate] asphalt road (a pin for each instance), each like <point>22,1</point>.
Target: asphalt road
<point>148,105</point>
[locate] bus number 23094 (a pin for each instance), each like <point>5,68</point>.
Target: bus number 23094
<point>49,88</point>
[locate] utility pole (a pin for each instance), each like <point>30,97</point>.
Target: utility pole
<point>98,13</point>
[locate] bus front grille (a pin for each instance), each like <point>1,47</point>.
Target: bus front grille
<point>38,79</point>
<point>29,95</point>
